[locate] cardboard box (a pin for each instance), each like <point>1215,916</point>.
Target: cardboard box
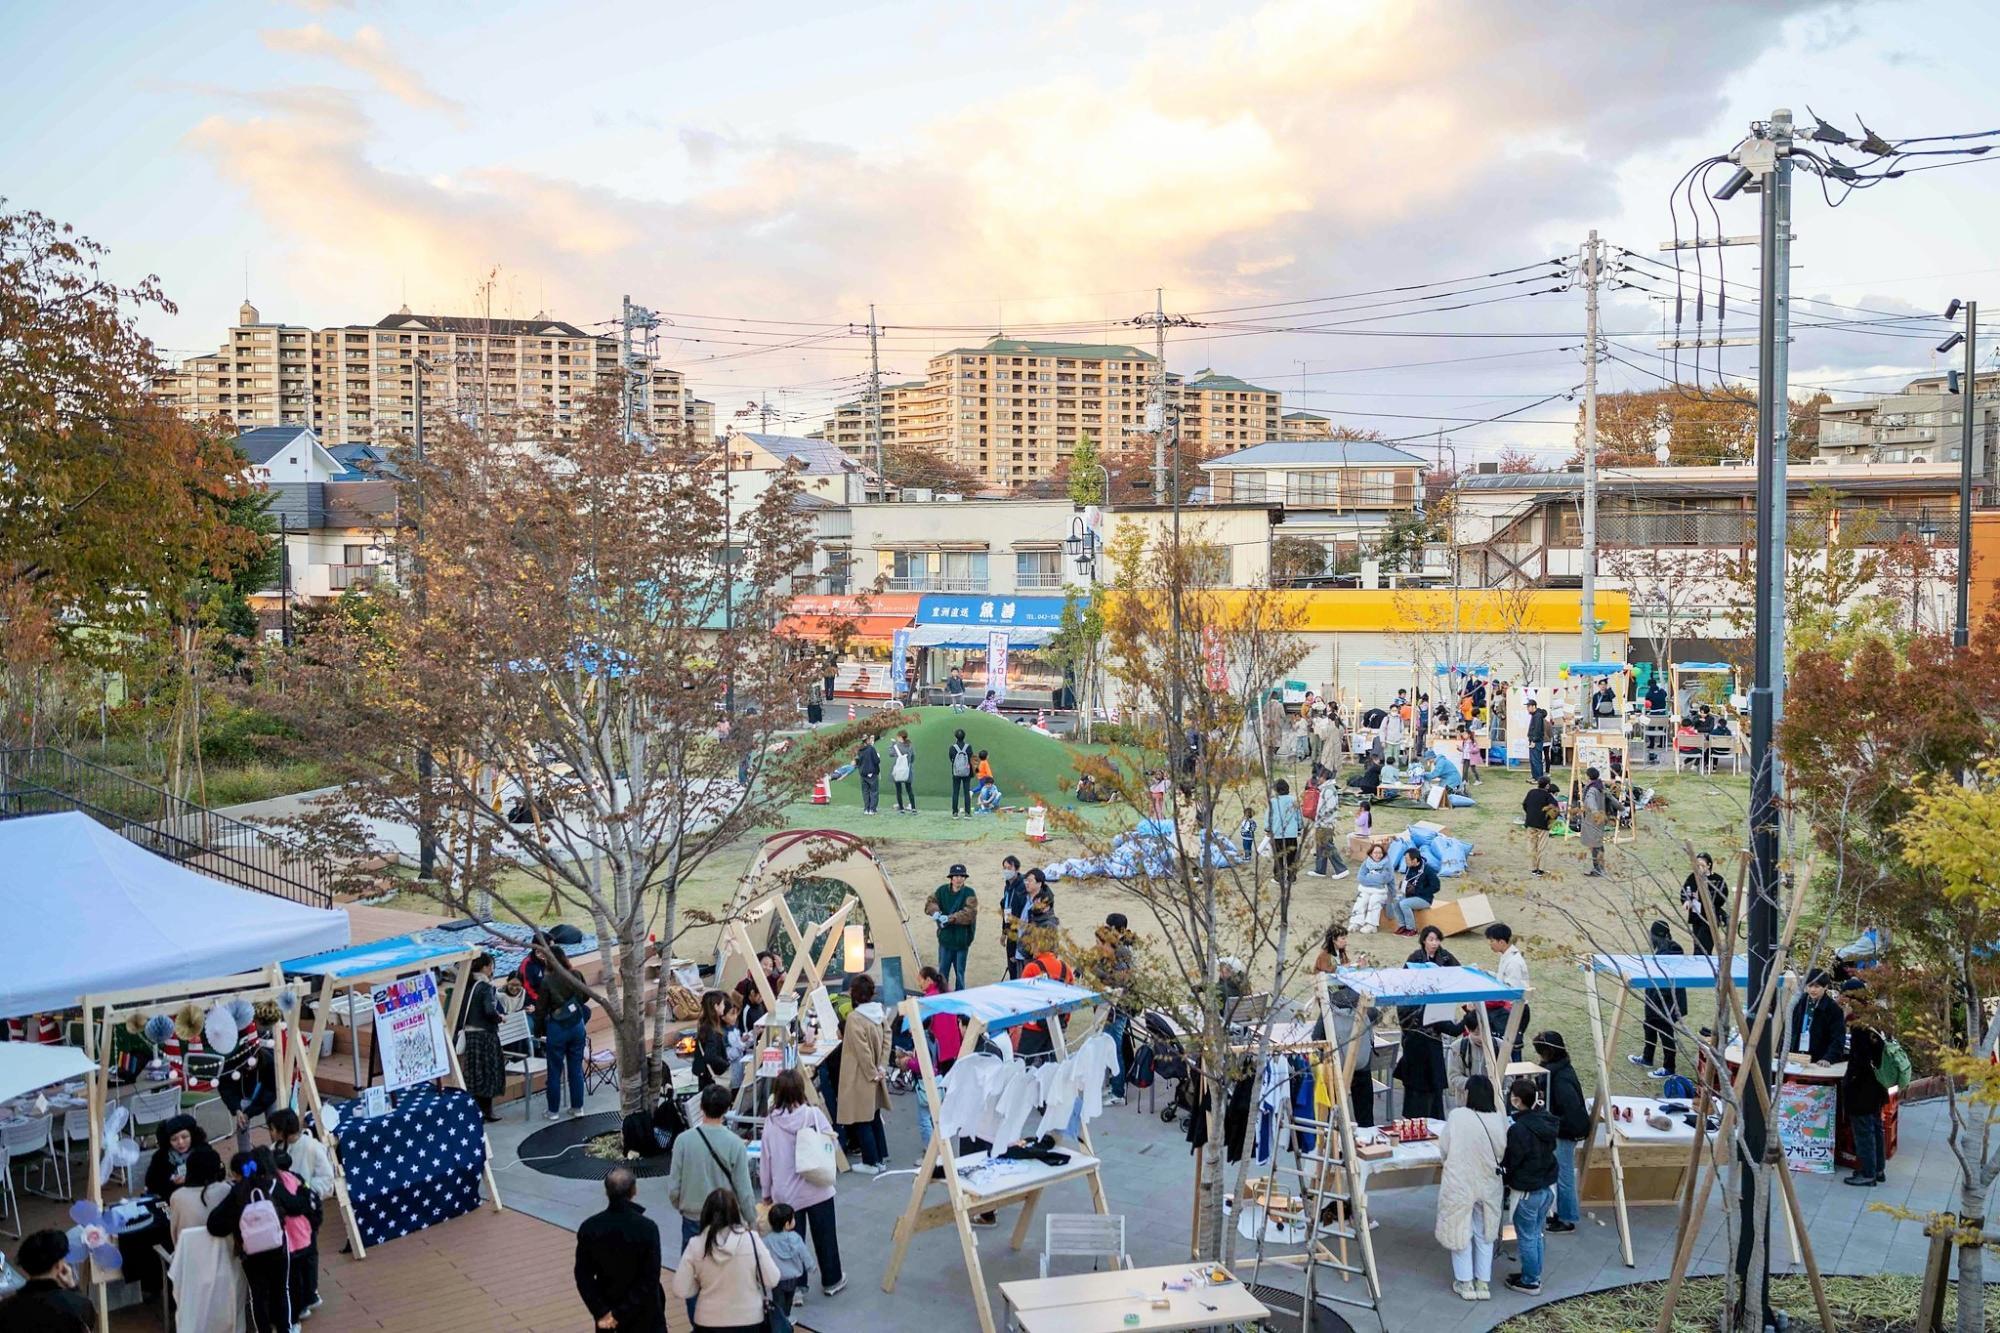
<point>1458,917</point>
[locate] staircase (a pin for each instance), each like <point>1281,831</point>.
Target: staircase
<point>43,780</point>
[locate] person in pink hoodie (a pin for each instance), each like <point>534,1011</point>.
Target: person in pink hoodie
<point>790,1113</point>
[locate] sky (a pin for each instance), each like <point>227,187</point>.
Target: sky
<point>761,175</point>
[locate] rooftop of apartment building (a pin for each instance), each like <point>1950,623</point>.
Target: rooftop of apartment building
<point>1000,343</point>
<point>541,326</point>
<point>1206,379</point>
<point>1317,453</point>
<point>1307,416</point>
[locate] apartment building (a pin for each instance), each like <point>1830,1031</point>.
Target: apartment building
<point>1337,497</point>
<point>358,383</point>
<point>1012,409</point>
<point>1221,414</point>
<point>1305,426</point>
<point>1923,422</point>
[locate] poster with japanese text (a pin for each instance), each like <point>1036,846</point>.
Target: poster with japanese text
<point>409,1031</point>
<point>1805,1126</point>
<point>996,663</point>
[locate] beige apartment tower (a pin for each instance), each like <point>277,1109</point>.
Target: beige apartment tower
<point>357,384</point>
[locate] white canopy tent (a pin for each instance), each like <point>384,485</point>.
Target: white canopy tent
<point>27,1066</point>
<point>91,913</point>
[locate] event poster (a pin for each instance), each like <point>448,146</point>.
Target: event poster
<point>1805,1126</point>
<point>899,657</point>
<point>409,1032</point>
<point>996,663</point>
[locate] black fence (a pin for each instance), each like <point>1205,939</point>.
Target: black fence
<point>43,780</point>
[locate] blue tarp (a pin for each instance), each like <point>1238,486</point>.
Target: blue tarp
<point>401,952</point>
<point>1008,1004</point>
<point>1428,985</point>
<point>1668,971</point>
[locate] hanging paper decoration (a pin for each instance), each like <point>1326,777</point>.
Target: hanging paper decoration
<point>219,1030</point>
<point>158,1028</point>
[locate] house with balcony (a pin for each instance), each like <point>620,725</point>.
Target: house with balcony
<point>1666,534</point>
<point>1336,497</point>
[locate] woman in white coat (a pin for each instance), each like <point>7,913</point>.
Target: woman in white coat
<point>209,1289</point>
<point>1473,1140</point>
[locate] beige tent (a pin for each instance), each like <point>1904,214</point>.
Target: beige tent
<point>822,854</point>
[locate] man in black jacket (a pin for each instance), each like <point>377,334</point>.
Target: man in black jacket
<point>49,1303</point>
<point>1862,1095</point>
<point>618,1262</point>
<point>1663,1007</point>
<point>1538,735</point>
<point>1572,1116</point>
<point>1419,890</point>
<point>868,763</point>
<point>1818,1028</point>
<point>1538,811</point>
<point>1529,1170</point>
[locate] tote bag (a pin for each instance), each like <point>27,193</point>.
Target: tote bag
<point>812,1156</point>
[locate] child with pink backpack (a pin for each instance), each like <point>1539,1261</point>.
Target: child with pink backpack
<point>264,1212</point>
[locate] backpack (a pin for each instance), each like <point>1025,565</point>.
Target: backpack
<point>1309,802</point>
<point>961,761</point>
<point>637,1136</point>
<point>1141,1073</point>
<point>899,771</point>
<point>1677,1088</point>
<point>259,1230</point>
<point>1894,1069</point>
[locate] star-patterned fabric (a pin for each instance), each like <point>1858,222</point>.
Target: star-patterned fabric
<point>415,1167</point>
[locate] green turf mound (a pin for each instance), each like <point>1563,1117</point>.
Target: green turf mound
<point>1024,761</point>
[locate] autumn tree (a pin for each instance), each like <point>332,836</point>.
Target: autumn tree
<point>109,501</point>
<point>1192,664</point>
<point>907,464</point>
<point>1893,755</point>
<point>1669,586</point>
<point>1832,563</point>
<point>1698,424</point>
<point>1513,462</point>
<point>595,673</point>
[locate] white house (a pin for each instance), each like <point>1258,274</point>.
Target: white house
<point>287,454</point>
<point>1336,495</point>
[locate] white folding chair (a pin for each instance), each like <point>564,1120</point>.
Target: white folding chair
<point>33,1140</point>
<point>150,1110</point>
<point>1091,1236</point>
<point>75,1131</point>
<point>517,1054</point>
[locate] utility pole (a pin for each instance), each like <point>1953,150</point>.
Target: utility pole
<point>1765,159</point>
<point>637,395</point>
<point>426,821</point>
<point>1156,412</point>
<point>1592,267</point>
<point>1961,627</point>
<point>875,402</point>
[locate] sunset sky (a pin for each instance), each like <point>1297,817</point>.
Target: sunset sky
<point>761,173</point>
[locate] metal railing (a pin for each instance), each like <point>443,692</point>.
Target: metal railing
<point>43,780</point>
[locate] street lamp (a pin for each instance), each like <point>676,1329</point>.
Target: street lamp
<point>1961,629</point>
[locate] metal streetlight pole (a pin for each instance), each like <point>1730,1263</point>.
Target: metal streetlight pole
<point>426,827</point>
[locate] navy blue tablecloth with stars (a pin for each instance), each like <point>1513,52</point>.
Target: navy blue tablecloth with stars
<point>415,1167</point>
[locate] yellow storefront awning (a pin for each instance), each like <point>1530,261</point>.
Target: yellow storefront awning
<point>1421,610</point>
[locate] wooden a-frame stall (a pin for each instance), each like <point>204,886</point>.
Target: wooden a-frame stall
<point>105,1012</point>
<point>356,971</point>
<point>995,1009</point>
<point>1343,1180</point>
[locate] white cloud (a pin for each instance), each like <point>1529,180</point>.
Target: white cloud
<point>366,53</point>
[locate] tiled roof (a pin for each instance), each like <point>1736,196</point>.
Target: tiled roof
<point>505,328</point>
<point>817,457</point>
<point>1088,351</point>
<point>267,442</point>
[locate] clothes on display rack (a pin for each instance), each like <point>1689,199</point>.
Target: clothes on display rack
<point>1042,1149</point>
<point>1073,1089</point>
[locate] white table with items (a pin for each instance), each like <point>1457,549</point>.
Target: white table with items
<point>1176,1296</point>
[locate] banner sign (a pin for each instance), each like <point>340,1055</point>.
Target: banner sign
<point>996,663</point>
<point>409,1031</point>
<point>959,609</point>
<point>1217,660</point>
<point>1805,1126</point>
<point>899,655</point>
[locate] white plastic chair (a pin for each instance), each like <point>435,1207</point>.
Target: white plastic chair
<point>33,1140</point>
<point>1091,1236</point>
<point>150,1110</point>
<point>76,1131</point>
<point>514,1031</point>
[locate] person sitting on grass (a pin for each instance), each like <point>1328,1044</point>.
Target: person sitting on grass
<point>990,704</point>
<point>986,796</point>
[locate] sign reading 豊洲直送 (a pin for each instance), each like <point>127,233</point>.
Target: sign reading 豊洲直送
<point>409,1031</point>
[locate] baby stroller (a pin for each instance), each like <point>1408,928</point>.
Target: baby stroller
<point>1163,1057</point>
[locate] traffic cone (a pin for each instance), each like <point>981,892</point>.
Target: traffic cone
<point>821,795</point>
<point>850,712</point>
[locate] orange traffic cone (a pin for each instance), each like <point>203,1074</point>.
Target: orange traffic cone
<point>850,712</point>
<point>821,796</point>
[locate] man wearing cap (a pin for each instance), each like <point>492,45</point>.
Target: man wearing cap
<point>955,908</point>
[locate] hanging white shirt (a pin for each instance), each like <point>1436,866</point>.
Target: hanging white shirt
<point>969,1091</point>
<point>1019,1096</point>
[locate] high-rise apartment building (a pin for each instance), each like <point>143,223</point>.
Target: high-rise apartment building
<point>357,384</point>
<point>1011,409</point>
<point>1305,426</point>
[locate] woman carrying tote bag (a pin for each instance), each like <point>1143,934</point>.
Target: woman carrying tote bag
<point>793,1117</point>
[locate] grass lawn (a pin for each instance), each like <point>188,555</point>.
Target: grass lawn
<point>1558,919</point>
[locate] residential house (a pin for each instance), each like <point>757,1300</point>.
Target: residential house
<point>1337,497</point>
